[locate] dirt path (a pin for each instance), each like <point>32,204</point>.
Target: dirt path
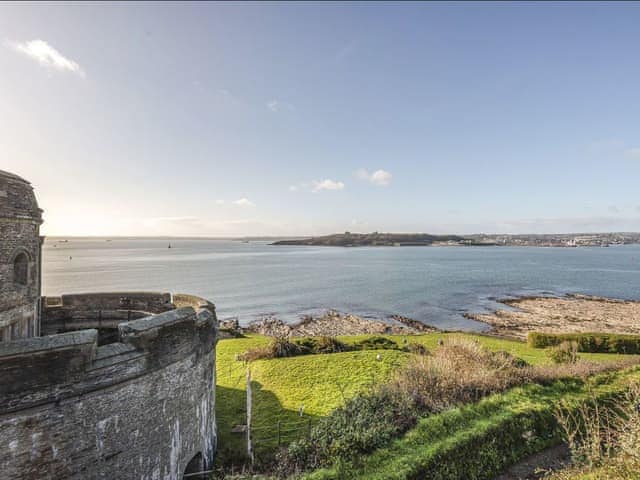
<point>538,465</point>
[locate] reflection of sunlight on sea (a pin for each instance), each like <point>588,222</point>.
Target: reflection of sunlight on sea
<point>248,280</point>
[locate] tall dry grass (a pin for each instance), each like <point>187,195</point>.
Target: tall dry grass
<point>463,371</point>
<point>604,438</point>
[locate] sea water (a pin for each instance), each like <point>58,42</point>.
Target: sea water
<point>435,285</point>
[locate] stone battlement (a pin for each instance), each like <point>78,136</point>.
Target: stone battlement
<point>41,369</point>
<point>97,385</point>
<point>105,311</point>
<point>164,360</point>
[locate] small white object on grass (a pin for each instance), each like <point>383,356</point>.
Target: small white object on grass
<point>378,357</point>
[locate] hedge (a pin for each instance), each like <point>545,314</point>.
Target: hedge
<point>479,441</point>
<point>588,342</point>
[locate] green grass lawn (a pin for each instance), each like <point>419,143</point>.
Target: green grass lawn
<point>320,383</point>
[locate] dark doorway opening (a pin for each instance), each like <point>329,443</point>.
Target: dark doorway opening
<point>195,466</point>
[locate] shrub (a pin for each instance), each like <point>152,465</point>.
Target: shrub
<point>416,348</point>
<point>284,347</point>
<point>323,345</point>
<point>377,343</point>
<point>278,348</point>
<point>588,342</point>
<point>565,352</point>
<point>363,424</point>
<point>459,371</point>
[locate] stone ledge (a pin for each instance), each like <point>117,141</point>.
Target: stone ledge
<point>51,342</point>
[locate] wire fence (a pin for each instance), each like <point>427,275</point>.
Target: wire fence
<point>281,432</point>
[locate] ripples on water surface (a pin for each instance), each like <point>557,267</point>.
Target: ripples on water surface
<point>248,280</point>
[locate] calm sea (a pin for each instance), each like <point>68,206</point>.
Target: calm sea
<point>249,280</point>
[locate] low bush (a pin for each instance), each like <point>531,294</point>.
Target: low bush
<point>284,347</point>
<point>459,371</point>
<point>588,342</point>
<point>416,348</point>
<point>376,343</point>
<point>323,345</point>
<point>363,424</point>
<point>279,347</point>
<point>565,352</point>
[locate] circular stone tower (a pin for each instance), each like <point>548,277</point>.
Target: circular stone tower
<point>20,254</point>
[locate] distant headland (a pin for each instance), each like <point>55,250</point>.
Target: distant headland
<point>348,239</point>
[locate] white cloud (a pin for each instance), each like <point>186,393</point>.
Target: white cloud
<point>220,202</point>
<point>273,105</point>
<point>46,55</point>
<point>379,177</point>
<point>633,153</point>
<point>244,202</point>
<point>327,184</point>
<point>316,186</point>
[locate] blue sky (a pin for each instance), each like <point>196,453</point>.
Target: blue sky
<point>294,119</point>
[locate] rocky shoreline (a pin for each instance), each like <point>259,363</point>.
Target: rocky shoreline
<point>573,313</point>
<point>331,324</point>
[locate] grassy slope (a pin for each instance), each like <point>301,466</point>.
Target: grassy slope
<point>420,453</point>
<point>319,382</point>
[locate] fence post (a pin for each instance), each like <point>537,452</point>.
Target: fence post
<point>278,432</point>
<point>249,448</point>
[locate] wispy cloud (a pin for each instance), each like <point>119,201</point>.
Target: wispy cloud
<point>327,184</point>
<point>244,202</point>
<point>633,153</point>
<point>274,105</point>
<point>220,202</point>
<point>46,55</point>
<point>380,178</point>
<point>316,186</point>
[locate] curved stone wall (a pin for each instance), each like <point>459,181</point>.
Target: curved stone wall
<point>20,248</point>
<point>141,407</point>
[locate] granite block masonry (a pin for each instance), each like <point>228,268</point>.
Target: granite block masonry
<point>97,386</point>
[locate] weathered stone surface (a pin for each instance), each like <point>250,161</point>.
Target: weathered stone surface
<point>139,408</point>
<point>20,220</point>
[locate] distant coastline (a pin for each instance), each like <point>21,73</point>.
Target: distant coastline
<point>375,239</point>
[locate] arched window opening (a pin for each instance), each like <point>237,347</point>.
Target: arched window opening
<point>194,468</point>
<point>21,269</point>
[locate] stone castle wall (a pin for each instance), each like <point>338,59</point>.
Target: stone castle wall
<point>141,407</point>
<point>20,220</point>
